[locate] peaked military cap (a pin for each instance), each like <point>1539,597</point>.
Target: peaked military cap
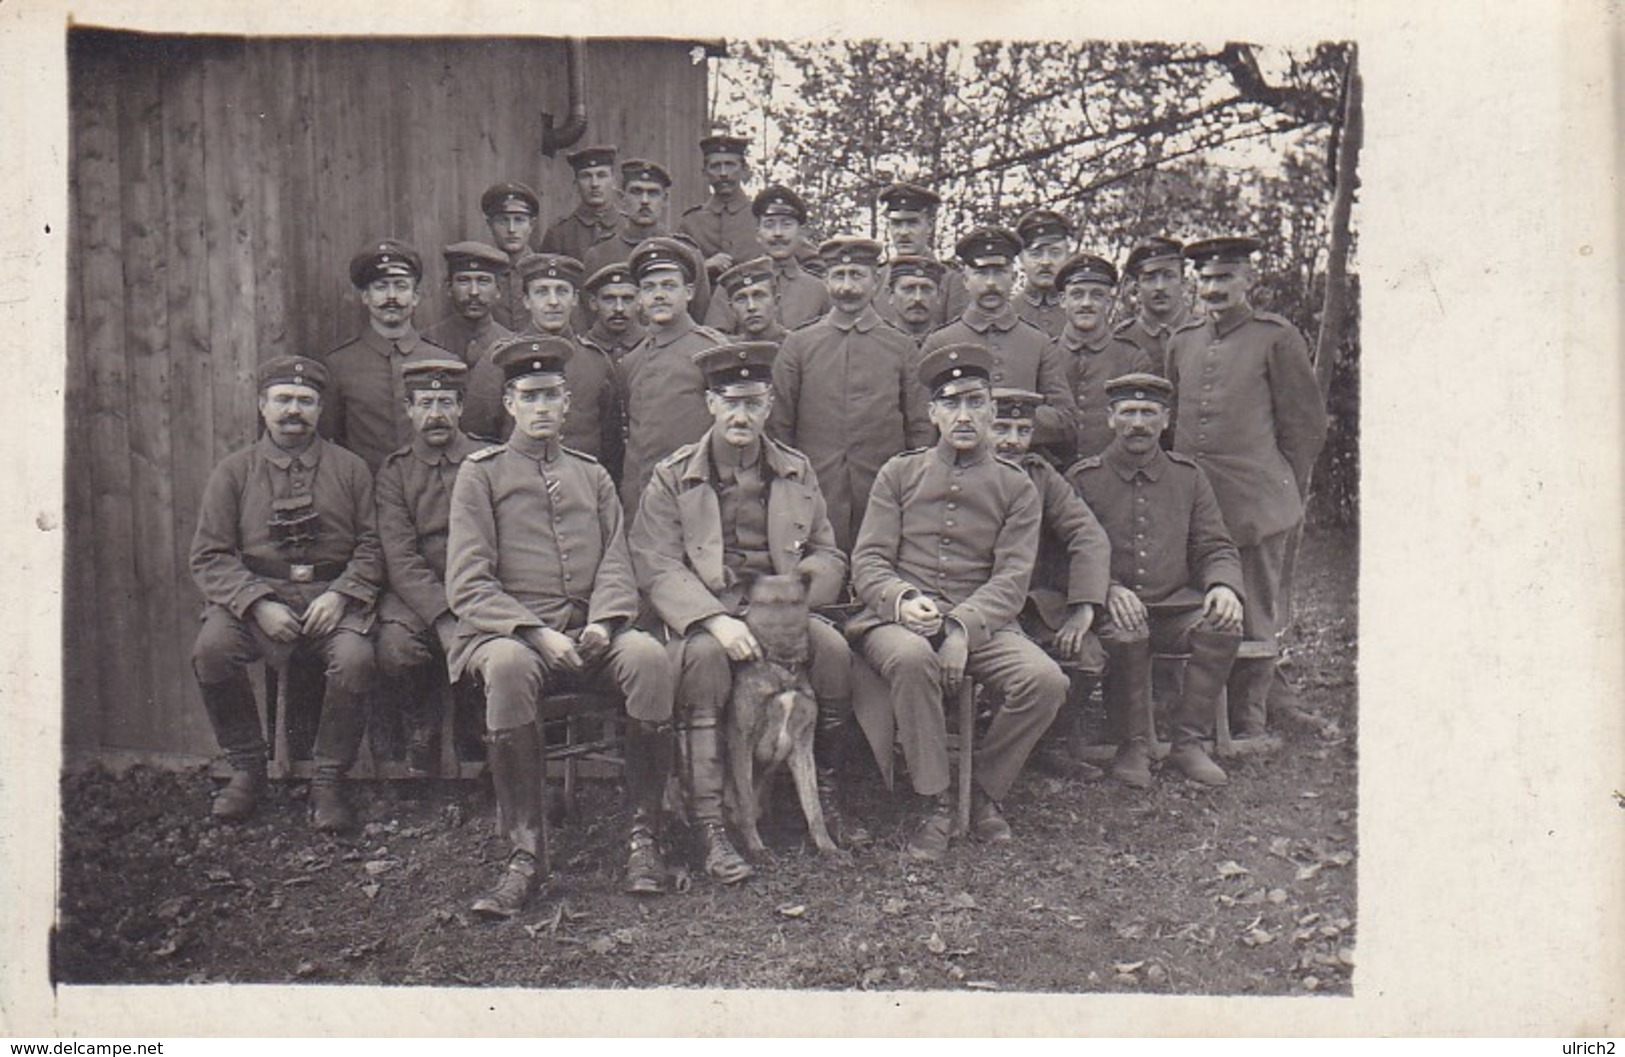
<point>293,370</point>
<point>654,254</point>
<point>550,266</point>
<point>1231,249</point>
<point>724,144</point>
<point>988,244</point>
<point>1086,268</point>
<point>465,257</point>
<point>435,374</point>
<point>530,356</point>
<point>615,272</point>
<point>850,249</point>
<point>1037,225</point>
<point>908,264</point>
<point>778,200</point>
<point>741,368</point>
<point>1140,386</point>
<point>746,273</point>
<point>1015,403</point>
<point>644,170</point>
<point>510,197</point>
<point>903,197</point>
<point>384,257</point>
<point>1156,248</point>
<point>952,369</point>
<point>587,157</point>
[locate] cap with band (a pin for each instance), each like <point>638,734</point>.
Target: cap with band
<point>1140,386</point>
<point>723,144</point>
<point>911,265</point>
<point>746,273</point>
<point>778,200</point>
<point>643,171</point>
<point>1042,225</point>
<point>743,368</point>
<point>1231,249</point>
<point>848,249</point>
<point>903,197</point>
<point>588,157</point>
<point>435,374</point>
<point>987,246</point>
<point>292,370</point>
<point>383,259</point>
<point>510,197</point>
<point>616,272</point>
<point>535,266</point>
<point>542,358</point>
<point>464,258</point>
<point>662,253</point>
<point>1085,268</point>
<point>952,369</point>
<point>1015,403</point>
<point>1151,251</point>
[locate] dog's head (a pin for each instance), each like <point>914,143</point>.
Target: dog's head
<point>778,617</point>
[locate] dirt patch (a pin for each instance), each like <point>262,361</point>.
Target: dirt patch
<point>1249,889</point>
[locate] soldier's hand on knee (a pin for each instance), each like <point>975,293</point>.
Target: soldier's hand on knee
<point>324,614</point>
<point>734,636</point>
<point>592,643</point>
<point>1075,632</point>
<point>954,654</point>
<point>556,648</point>
<point>1222,608</point>
<point>276,620</point>
<point>1127,611</point>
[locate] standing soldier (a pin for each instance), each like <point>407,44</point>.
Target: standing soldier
<point>596,216</point>
<point>844,388</point>
<point>800,297</point>
<point>1093,354</point>
<point>1156,274</point>
<point>1175,581</point>
<point>1023,356</point>
<point>718,514</point>
<point>914,286</point>
<point>286,555</point>
<point>413,490</point>
<point>475,276</point>
<point>942,567</point>
<point>1249,411</point>
<point>612,296</point>
<point>539,577</point>
<point>665,391</point>
<point>723,226</point>
<point>511,210</point>
<point>1046,243</point>
<point>752,314</point>
<point>646,190</point>
<point>911,226</point>
<point>364,408</point>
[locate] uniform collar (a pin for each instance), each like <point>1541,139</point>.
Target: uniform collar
<point>452,453</point>
<point>602,217</point>
<point>1126,464</point>
<point>386,347</point>
<point>789,268</point>
<point>607,341</point>
<point>951,456</point>
<point>719,205</point>
<point>282,460</point>
<point>1074,340</point>
<point>1048,300</point>
<point>666,335</point>
<point>1240,321</point>
<point>700,468</point>
<point>632,235</point>
<point>1160,330</point>
<point>531,448</point>
<point>863,322</point>
<point>979,321</point>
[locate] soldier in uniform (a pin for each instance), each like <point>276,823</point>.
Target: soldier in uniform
<point>646,190</point>
<point>1024,357</point>
<point>364,406</point>
<point>612,296</point>
<point>1046,243</point>
<point>287,558</point>
<point>596,216</point>
<point>914,284</point>
<point>511,210</point>
<point>911,227</point>
<point>541,583</point>
<point>942,566</point>
<point>748,291</point>
<point>475,276</point>
<point>1249,411</point>
<point>1093,353</point>
<point>717,514</point>
<point>413,491</point>
<point>1155,271</point>
<point>1175,581</point>
<point>551,283</point>
<point>665,390</point>
<point>723,226</point>
<point>845,390</point>
<point>800,297</point>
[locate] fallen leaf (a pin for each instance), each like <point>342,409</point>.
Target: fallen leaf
<point>172,943</point>
<point>935,944</point>
<point>1257,938</point>
<point>894,906</point>
<point>872,977</point>
<point>380,866</point>
<point>1309,919</point>
<point>955,973</point>
<point>982,985</point>
<point>963,901</point>
<point>1309,794</point>
<point>170,909</point>
<point>1341,858</point>
<point>1156,974</point>
<point>601,945</point>
<point>306,969</point>
<point>1346,956</point>
<point>1231,868</point>
<point>1311,983</point>
<point>218,877</point>
<point>1128,968</point>
<point>1307,873</point>
<point>372,888</point>
<point>1281,847</point>
<point>796,911</point>
<point>1277,895</point>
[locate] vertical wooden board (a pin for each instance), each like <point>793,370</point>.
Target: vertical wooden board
<point>253,133</point>
<point>348,99</point>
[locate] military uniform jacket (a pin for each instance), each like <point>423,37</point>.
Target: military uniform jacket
<point>234,523</point>
<point>1044,311</point>
<point>364,407</point>
<point>484,417</point>
<point>1169,541</point>
<point>677,538</point>
<point>1249,411</point>
<point>723,225</point>
<point>803,297</point>
<point>593,425</point>
<point>464,340</point>
<point>665,399</point>
<point>965,536</point>
<point>617,249</point>
<point>576,234</point>
<point>510,310</point>
<point>845,393</point>
<point>1024,357</point>
<point>1153,339</point>
<point>1091,362</point>
<point>1074,554</point>
<point>535,540</point>
<point>413,490</point>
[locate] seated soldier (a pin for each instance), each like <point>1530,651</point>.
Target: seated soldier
<point>717,514</point>
<point>942,565</point>
<point>413,490</point>
<point>286,555</point>
<point>1175,585</point>
<point>538,575</point>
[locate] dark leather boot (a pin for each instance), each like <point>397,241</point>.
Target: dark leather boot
<point>829,757</point>
<point>418,702</point>
<point>648,765</point>
<point>517,776</point>
<point>986,821</point>
<point>236,723</point>
<point>1211,657</point>
<point>344,721</point>
<point>1128,704</point>
<point>1249,688</point>
<point>703,786</point>
<point>929,842</point>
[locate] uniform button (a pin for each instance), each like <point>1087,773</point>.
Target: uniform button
<point>566,577</point>
<point>952,505</point>
<point>998,376</point>
<point>949,522</point>
<point>1142,554</point>
<point>953,488</point>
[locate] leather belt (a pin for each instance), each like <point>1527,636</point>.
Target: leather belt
<point>299,573</point>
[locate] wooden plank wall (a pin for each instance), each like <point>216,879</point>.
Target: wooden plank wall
<point>219,187</point>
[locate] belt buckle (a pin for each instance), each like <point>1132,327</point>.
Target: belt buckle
<point>301,574</point>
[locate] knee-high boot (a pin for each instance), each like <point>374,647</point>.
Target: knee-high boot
<point>1211,657</point>
<point>648,766</point>
<point>703,786</point>
<point>830,743</point>
<point>344,721</point>
<point>518,776</point>
<point>1128,709</point>
<point>236,723</point>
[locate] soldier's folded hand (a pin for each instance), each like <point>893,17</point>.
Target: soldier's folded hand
<point>276,620</point>
<point>557,649</point>
<point>920,615</point>
<point>1222,608</point>
<point>1070,639</point>
<point>592,643</point>
<point>734,637</point>
<point>954,653</point>
<point>324,614</point>
<point>1127,611</point>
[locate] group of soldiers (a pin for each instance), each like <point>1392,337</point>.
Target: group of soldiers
<point>574,480</point>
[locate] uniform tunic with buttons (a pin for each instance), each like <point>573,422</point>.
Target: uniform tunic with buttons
<point>612,346</point>
<point>1024,357</point>
<point>510,309</point>
<point>1249,411</point>
<point>1074,554</point>
<point>413,490</point>
<point>1152,338</point>
<point>1091,362</point>
<point>1043,311</point>
<point>576,234</point>
<point>845,395</point>
<point>665,399</point>
<point>723,225</point>
<point>364,407</point>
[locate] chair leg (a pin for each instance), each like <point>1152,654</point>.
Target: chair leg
<point>280,753</point>
<point>967,747</point>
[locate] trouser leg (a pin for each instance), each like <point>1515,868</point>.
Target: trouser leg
<point>911,669</point>
<point>350,676</point>
<point>1033,687</point>
<point>1250,679</point>
<point>831,677</point>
